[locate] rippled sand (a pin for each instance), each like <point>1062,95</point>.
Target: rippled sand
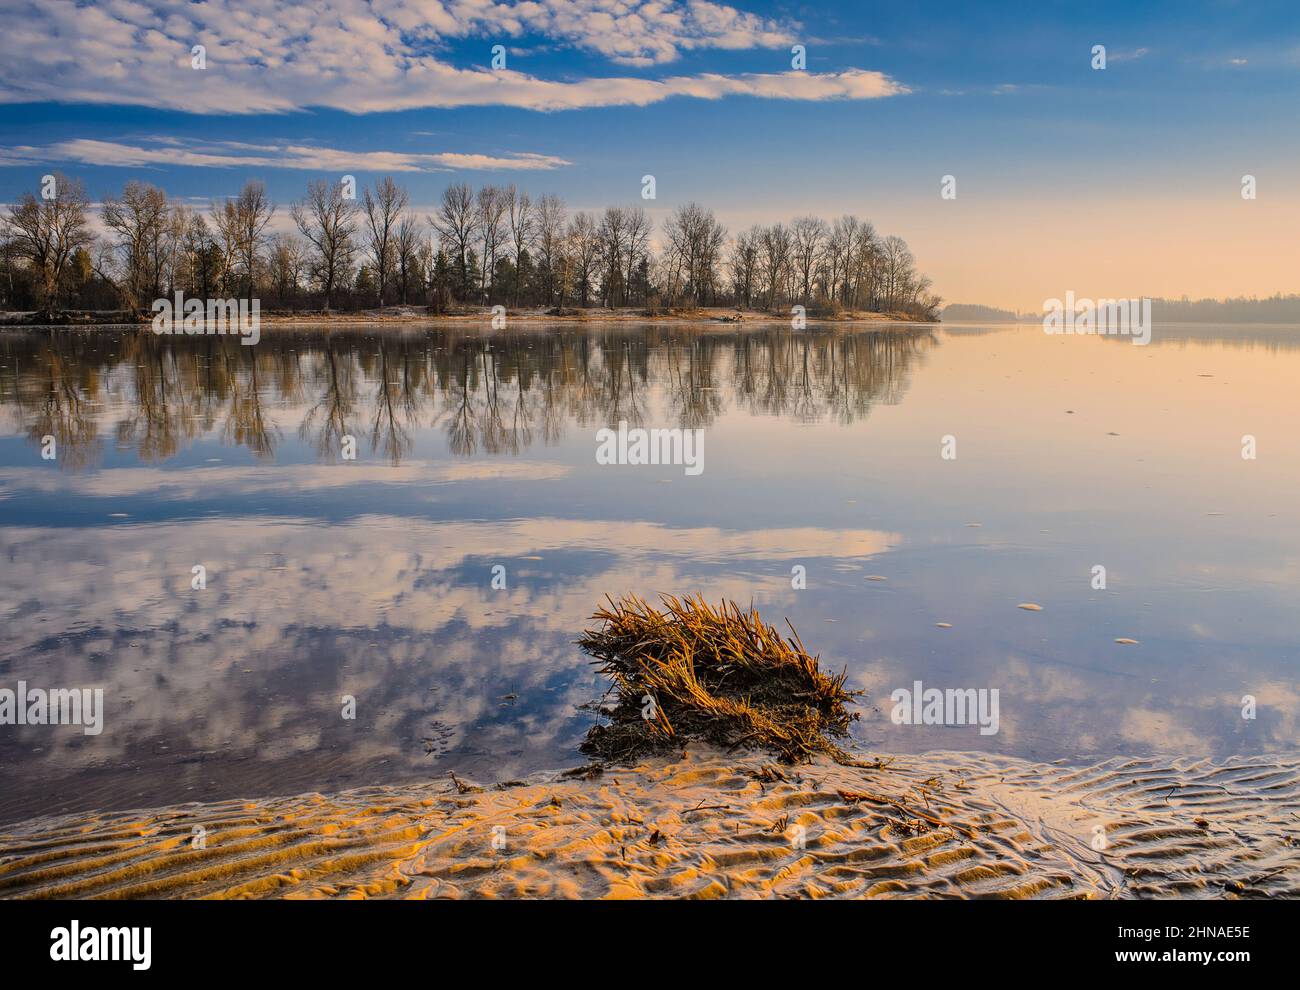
<point>709,825</point>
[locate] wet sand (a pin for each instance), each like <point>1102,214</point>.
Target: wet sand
<point>708,825</point>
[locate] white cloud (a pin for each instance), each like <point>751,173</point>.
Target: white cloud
<point>266,56</point>
<point>229,154</point>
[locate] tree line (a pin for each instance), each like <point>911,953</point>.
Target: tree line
<point>479,247</point>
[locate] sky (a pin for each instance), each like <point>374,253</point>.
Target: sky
<point>1109,182</point>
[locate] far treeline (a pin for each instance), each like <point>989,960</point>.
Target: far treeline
<point>494,245</point>
<point>1239,309</point>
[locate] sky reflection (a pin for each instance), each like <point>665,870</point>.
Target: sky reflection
<point>372,577</point>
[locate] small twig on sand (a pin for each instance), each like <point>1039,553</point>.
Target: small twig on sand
<point>856,796</point>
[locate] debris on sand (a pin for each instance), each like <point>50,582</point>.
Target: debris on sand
<point>722,675</point>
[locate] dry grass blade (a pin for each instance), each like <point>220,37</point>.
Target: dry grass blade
<point>693,670</point>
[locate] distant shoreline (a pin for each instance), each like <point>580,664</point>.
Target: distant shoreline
<point>1278,308</point>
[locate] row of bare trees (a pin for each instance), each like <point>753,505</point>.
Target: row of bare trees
<point>485,246</point>
<point>150,246</point>
<point>841,265</point>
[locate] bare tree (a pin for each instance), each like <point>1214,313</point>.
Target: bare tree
<point>327,219</point>
<point>808,234</point>
<point>456,222</point>
<point>383,211</point>
<point>864,263</point>
<point>175,267</point>
<point>286,266</point>
<point>200,253</point>
<point>490,207</point>
<point>225,221</point>
<point>859,243</point>
<point>695,241</point>
<point>139,221</point>
<point>775,251</point>
<point>522,220</point>
<point>47,233</point>
<point>613,233</point>
<point>253,211</point>
<point>637,241</point>
<point>407,243</point>
<point>744,266</point>
<point>896,265</point>
<point>550,241</point>
<point>584,247</point>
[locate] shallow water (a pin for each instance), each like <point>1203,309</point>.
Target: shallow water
<point>373,577</point>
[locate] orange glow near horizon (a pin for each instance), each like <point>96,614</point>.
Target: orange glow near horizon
<point>1013,253</point>
<point>1017,255</point>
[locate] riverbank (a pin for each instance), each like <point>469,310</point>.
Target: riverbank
<point>707,824</point>
<point>480,316</point>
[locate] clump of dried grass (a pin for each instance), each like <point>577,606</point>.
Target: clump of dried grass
<point>717,674</point>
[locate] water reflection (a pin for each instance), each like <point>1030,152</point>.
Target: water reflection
<point>371,578</point>
<point>365,578</point>
<point>498,394</point>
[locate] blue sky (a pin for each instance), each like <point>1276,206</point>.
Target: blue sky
<point>1003,96</point>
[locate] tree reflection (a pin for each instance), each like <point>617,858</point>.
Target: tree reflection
<point>488,394</point>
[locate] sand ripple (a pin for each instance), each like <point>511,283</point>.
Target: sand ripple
<point>709,825</point>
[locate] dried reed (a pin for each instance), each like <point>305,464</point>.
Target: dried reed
<point>693,671</point>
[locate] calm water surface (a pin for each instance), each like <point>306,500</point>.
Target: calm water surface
<point>373,577</point>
